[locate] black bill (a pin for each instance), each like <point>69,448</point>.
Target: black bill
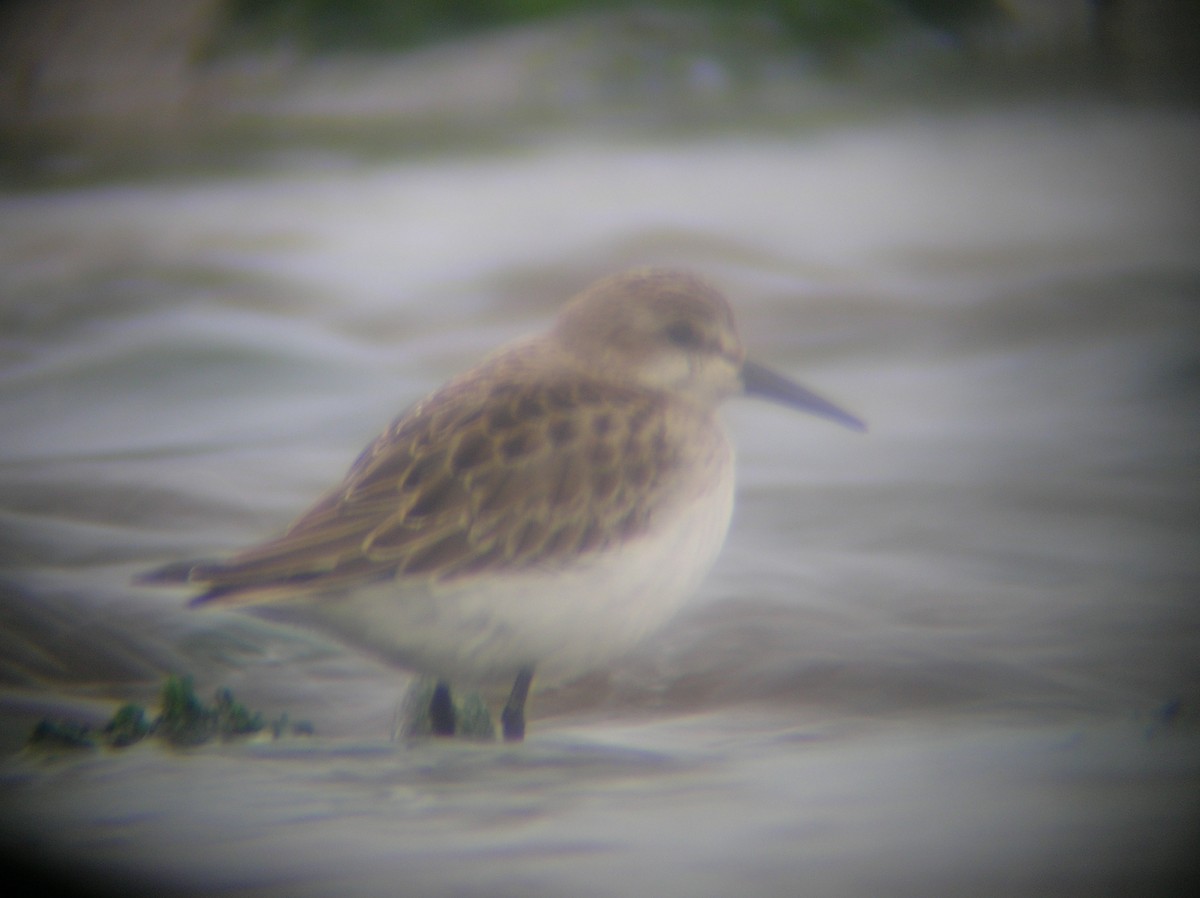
<point>766,384</point>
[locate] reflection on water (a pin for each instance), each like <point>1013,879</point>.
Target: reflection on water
<point>959,653</point>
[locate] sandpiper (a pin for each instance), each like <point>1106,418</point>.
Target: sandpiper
<point>545,510</point>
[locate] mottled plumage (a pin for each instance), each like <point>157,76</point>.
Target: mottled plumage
<point>500,470</point>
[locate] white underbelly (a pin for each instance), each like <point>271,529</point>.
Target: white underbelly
<point>565,622</point>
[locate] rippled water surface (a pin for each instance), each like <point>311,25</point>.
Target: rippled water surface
<point>958,654</point>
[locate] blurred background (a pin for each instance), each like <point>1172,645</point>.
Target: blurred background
<point>89,89</point>
<point>958,654</point>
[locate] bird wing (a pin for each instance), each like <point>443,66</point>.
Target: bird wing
<point>489,474</point>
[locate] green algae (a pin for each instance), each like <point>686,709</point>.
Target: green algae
<point>184,720</point>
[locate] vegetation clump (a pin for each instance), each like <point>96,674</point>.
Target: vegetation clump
<point>184,720</point>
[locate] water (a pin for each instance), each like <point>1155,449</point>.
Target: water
<point>960,653</point>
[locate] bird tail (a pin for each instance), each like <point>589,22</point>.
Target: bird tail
<point>177,573</point>
<point>185,573</point>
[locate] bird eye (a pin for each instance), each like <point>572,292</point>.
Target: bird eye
<point>683,334</point>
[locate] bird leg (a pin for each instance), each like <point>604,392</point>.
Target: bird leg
<point>441,710</point>
<point>512,718</point>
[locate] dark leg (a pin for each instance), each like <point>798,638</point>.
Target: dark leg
<point>513,717</point>
<point>441,710</point>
